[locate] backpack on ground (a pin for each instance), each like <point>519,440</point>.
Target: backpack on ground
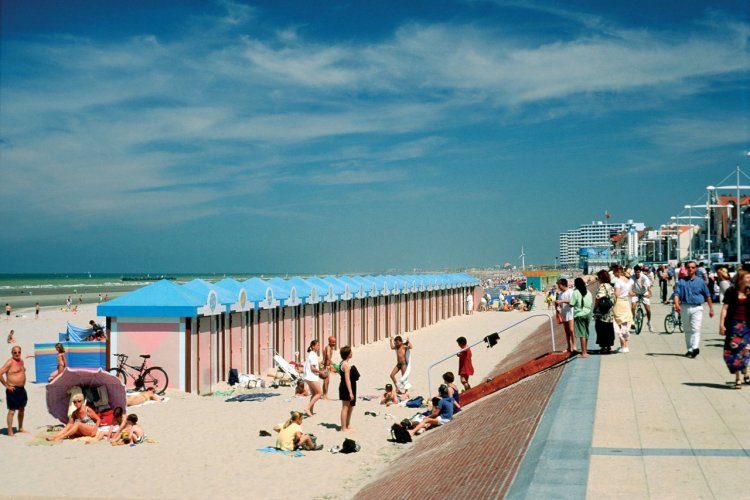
<point>415,402</point>
<point>349,446</point>
<point>400,433</point>
<point>234,377</point>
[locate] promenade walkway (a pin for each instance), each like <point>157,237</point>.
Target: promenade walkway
<point>647,424</point>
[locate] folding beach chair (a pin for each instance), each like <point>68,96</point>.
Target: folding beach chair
<point>284,368</point>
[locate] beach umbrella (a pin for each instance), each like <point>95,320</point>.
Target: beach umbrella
<point>58,397</point>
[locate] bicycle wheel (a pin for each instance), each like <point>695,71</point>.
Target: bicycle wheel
<point>638,320</point>
<point>120,374</point>
<point>669,324</point>
<point>157,378</point>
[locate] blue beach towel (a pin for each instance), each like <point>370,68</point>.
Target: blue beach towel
<point>271,449</point>
<point>258,396</point>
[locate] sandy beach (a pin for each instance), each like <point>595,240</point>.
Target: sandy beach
<point>207,447</point>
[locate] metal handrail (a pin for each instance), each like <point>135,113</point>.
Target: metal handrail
<point>538,315</point>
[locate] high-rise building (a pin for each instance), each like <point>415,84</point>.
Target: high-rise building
<point>598,234</point>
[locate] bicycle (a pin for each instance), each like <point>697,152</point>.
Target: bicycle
<point>143,378</point>
<point>672,322</point>
<point>640,312</point>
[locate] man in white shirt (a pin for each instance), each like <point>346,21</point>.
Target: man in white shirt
<point>563,304</point>
<point>642,289</point>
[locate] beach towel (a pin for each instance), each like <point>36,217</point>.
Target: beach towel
<point>258,396</point>
<point>41,438</point>
<point>402,381</point>
<point>163,400</point>
<point>271,449</point>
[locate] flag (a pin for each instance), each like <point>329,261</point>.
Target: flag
<point>607,215</point>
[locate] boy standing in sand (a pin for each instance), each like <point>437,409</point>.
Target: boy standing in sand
<point>400,347</point>
<point>13,377</point>
<point>327,363</point>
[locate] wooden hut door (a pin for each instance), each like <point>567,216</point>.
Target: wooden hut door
<point>204,355</point>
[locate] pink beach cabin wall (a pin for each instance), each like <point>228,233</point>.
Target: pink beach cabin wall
<point>358,334</point>
<point>380,333</point>
<point>369,313</point>
<point>308,329</point>
<point>236,327</point>
<point>162,338</point>
<point>402,328</point>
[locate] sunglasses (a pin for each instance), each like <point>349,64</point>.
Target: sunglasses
<point>78,400</point>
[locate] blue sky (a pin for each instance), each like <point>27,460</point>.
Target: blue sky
<point>361,136</point>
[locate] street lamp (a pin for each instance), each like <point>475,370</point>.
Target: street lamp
<point>737,187</point>
<point>670,230</point>
<point>708,206</point>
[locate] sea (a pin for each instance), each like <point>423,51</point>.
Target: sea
<point>25,290</point>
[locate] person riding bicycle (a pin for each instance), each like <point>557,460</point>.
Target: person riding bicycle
<point>642,292</point>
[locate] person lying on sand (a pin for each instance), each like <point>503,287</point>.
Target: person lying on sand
<point>141,397</point>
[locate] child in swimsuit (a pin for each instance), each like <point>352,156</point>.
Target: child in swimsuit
<point>130,432</point>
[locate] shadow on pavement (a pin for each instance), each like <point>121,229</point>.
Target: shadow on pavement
<point>712,386</point>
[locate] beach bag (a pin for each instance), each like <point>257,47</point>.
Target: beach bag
<point>234,377</point>
<point>350,446</point>
<point>605,305</point>
<point>415,402</point>
<point>400,433</point>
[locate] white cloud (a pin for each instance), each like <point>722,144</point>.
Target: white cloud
<point>166,131</point>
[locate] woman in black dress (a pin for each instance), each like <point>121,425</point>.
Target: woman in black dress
<point>605,330</point>
<point>347,388</point>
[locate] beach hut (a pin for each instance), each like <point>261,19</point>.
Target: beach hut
<point>290,316</point>
<point>355,309</point>
<point>212,342</point>
<point>326,309</point>
<point>380,310</point>
<point>235,327</point>
<point>263,324</point>
<point>198,331</point>
<point>164,320</point>
<point>309,294</point>
<point>369,313</point>
<point>340,309</point>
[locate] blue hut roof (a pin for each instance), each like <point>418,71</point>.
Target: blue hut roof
<point>305,290</point>
<point>324,287</point>
<point>235,289</point>
<point>167,299</point>
<point>356,286</point>
<point>286,290</point>
<point>159,299</point>
<point>202,287</point>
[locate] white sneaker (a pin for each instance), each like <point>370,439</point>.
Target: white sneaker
<point>650,328</point>
<point>623,349</point>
